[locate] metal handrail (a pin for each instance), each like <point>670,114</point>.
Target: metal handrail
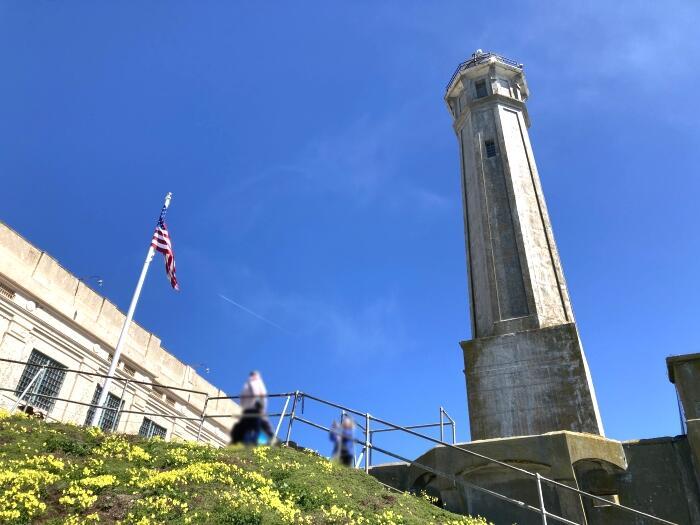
<point>536,476</point>
<point>443,412</point>
<point>428,425</point>
<point>367,443</point>
<point>119,410</point>
<point>432,470</point>
<point>428,438</point>
<point>114,377</point>
<point>467,484</point>
<point>284,394</point>
<point>55,398</point>
<point>137,412</point>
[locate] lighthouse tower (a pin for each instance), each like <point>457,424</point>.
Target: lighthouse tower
<point>525,368</point>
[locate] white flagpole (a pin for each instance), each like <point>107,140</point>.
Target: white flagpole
<point>125,329</point>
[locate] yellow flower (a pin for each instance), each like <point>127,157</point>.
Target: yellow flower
<point>99,482</point>
<point>78,497</point>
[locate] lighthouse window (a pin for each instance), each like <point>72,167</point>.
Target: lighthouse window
<point>480,86</point>
<point>490,146</point>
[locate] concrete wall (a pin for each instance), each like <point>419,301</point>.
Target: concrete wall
<point>44,307</point>
<point>660,480</point>
<point>684,372</point>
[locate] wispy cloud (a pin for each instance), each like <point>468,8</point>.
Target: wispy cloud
<point>358,159</point>
<point>365,161</point>
<point>251,312</point>
<point>375,328</point>
<point>644,45</point>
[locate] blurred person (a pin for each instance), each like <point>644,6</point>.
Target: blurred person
<point>334,436</point>
<point>343,438</point>
<point>253,424</point>
<point>254,391</point>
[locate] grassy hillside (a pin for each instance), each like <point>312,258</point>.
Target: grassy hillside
<point>52,473</point>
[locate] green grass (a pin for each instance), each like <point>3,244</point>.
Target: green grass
<point>52,473</point>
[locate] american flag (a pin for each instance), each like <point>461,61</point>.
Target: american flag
<point>161,242</point>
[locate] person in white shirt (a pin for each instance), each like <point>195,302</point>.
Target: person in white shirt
<point>253,401</point>
<point>254,391</point>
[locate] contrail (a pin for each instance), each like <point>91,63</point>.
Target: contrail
<point>251,312</point>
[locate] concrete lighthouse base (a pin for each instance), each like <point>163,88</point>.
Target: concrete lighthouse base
<point>654,476</point>
<point>528,383</point>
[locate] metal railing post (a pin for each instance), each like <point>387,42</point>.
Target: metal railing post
<point>442,428</point>
<point>367,441</point>
<point>24,392</point>
<point>454,433</point>
<point>291,417</point>
<point>201,420</point>
<point>279,423</point>
<point>371,444</point>
<point>539,494</point>
<point>121,404</point>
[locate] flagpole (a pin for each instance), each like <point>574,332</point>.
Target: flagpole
<point>96,416</point>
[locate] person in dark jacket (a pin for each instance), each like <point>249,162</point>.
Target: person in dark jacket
<point>251,425</point>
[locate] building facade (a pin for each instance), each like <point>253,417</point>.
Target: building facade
<point>66,332</point>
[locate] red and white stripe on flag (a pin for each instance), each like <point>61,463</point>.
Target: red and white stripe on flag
<point>161,242</point>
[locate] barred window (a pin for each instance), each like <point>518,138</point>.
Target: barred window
<point>46,386</point>
<point>4,290</point>
<point>150,429</point>
<point>480,86</point>
<point>108,420</point>
<point>490,148</point>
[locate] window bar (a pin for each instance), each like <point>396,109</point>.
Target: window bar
<point>41,373</point>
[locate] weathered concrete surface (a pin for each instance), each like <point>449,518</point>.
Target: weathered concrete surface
<point>654,476</point>
<point>556,455</point>
<point>529,383</point>
<point>693,429</point>
<point>659,480</point>
<point>393,474</point>
<point>515,274</point>
<point>684,372</point>
<point>525,368</point>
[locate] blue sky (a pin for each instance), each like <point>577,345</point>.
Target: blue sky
<point>316,181</point>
